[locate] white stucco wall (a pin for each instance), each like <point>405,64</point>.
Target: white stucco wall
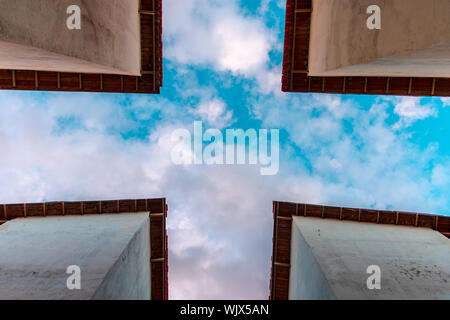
<point>414,262</point>
<point>413,39</point>
<point>130,276</point>
<point>308,281</point>
<point>112,251</point>
<point>108,42</point>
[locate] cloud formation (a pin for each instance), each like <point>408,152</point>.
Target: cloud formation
<point>76,147</point>
<point>410,109</point>
<point>217,34</point>
<point>214,112</point>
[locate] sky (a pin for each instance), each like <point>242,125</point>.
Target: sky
<point>222,66</point>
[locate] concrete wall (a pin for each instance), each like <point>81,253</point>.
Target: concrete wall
<point>130,277</point>
<point>414,262</point>
<point>308,281</point>
<point>109,35</point>
<point>340,38</point>
<point>411,64</point>
<point>113,252</point>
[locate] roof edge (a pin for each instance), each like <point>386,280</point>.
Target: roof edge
<point>157,209</point>
<point>296,77</point>
<point>283,213</point>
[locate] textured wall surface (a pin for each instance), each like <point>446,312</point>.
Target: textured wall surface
<point>109,34</point>
<point>414,262</point>
<point>308,281</point>
<point>340,38</point>
<point>111,250</point>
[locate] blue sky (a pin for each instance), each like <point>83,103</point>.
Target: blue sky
<point>223,66</point>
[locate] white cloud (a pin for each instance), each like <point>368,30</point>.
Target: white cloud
<point>440,175</point>
<point>410,109</point>
<point>217,34</point>
<point>446,102</point>
<point>353,153</point>
<point>243,45</point>
<point>335,164</point>
<point>214,112</point>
